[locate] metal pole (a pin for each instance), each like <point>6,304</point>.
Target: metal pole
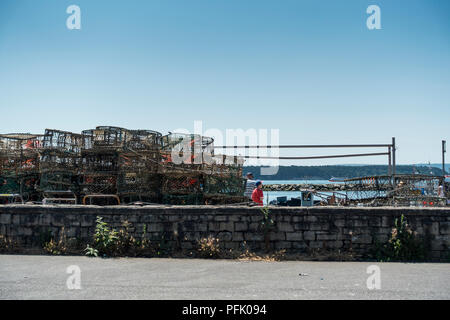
<point>389,161</point>
<point>443,158</point>
<point>393,156</point>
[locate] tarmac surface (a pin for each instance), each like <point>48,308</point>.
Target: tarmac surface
<point>48,277</point>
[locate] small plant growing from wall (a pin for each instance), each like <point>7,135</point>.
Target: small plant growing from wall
<point>267,225</point>
<point>104,239</point>
<point>56,247</point>
<point>209,247</point>
<point>403,244</point>
<point>112,243</point>
<point>91,252</point>
<point>7,245</point>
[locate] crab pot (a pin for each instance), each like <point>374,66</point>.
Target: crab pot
<point>56,160</point>
<point>24,184</point>
<point>63,141</point>
<point>58,181</point>
<point>98,183</point>
<point>143,161</point>
<point>181,184</point>
<point>19,153</point>
<point>182,199</point>
<point>193,145</point>
<point>144,140</point>
<point>224,184</point>
<point>98,172</point>
<point>105,136</point>
<point>99,161</point>
<point>135,186</point>
<point>9,184</point>
<point>19,163</point>
<point>20,141</point>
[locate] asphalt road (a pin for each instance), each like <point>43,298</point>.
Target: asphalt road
<point>45,277</point>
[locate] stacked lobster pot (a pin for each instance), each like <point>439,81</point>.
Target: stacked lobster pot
<point>120,163</point>
<point>138,178</point>
<point>19,170</point>
<point>182,160</point>
<point>113,165</point>
<point>59,163</point>
<point>223,181</point>
<point>100,162</point>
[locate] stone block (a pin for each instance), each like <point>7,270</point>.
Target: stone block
<point>432,228</point>
<point>257,218</point>
<point>5,218</point>
<point>227,226</point>
<point>171,218</point>
<point>221,218</point>
<point>326,236</point>
<point>362,238</point>
<point>334,244</point>
<point>240,226</point>
<point>318,226</point>
<point>225,236</point>
<point>71,232</point>
<point>360,223</point>
<point>301,226</point>
<point>155,227</point>
<point>285,227</point>
<point>309,235</point>
<point>238,236</point>
<point>186,245</point>
<point>299,245</point>
<point>254,226</point>
<point>214,226</point>
<point>25,231</point>
<point>280,245</point>
<point>381,237</point>
<point>315,244</point>
<point>201,226</point>
<point>444,227</point>
<point>58,220</point>
<point>277,236</point>
<point>294,236</point>
<point>251,236</point>
<point>87,220</point>
<point>387,221</point>
<point>232,245</point>
<point>15,219</point>
<point>310,219</point>
<point>339,223</point>
<point>192,236</point>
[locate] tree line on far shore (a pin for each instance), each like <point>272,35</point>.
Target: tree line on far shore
<point>338,171</point>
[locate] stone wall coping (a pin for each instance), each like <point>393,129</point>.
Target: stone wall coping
<point>218,210</point>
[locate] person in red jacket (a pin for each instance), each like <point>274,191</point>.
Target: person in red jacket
<point>257,194</point>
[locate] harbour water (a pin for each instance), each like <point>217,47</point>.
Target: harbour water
<point>272,195</point>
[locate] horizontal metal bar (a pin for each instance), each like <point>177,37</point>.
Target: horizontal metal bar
<point>293,146</point>
<point>321,157</point>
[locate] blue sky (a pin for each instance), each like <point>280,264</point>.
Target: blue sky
<point>309,68</point>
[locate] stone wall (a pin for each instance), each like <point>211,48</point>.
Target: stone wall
<point>296,229</point>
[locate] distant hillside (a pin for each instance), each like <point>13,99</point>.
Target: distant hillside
<point>340,171</point>
<point>437,165</point>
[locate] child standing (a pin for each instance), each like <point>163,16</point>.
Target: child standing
<point>257,194</point>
